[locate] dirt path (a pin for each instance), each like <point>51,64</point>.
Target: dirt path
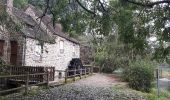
<point>98,80</point>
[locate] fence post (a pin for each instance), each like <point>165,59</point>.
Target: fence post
<point>85,71</point>
<point>161,72</point>
<point>91,69</point>
<point>81,72</point>
<point>74,77</point>
<point>157,79</point>
<point>27,83</point>
<point>66,73</point>
<point>47,78</point>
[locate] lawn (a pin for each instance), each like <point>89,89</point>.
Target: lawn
<point>123,91</point>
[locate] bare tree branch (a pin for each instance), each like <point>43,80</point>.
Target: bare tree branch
<point>81,5</point>
<point>102,5</point>
<point>46,9</point>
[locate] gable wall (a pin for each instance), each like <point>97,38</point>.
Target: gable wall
<point>51,55</point>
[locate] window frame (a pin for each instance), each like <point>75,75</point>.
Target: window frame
<point>74,50</point>
<point>61,46</point>
<point>38,52</point>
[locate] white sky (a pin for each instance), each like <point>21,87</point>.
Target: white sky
<point>153,38</point>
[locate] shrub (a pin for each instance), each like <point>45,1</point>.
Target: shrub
<point>140,75</point>
<point>4,67</point>
<point>107,69</point>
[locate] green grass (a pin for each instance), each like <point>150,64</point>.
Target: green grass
<point>164,95</point>
<point>122,88</point>
<point>31,92</point>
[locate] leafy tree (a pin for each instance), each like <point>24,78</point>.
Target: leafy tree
<point>133,22</point>
<point>20,3</point>
<point>136,21</point>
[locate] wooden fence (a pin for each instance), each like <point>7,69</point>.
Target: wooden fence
<point>76,72</point>
<point>33,70</point>
<point>26,81</point>
<point>31,76</point>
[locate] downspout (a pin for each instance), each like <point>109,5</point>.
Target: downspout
<point>24,51</point>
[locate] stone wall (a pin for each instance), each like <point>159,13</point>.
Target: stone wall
<point>7,37</point>
<point>51,55</point>
<point>6,48</point>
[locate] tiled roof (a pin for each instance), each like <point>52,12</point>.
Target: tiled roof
<point>31,28</point>
<point>47,21</point>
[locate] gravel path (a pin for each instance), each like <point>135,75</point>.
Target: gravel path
<point>98,80</point>
<point>96,87</point>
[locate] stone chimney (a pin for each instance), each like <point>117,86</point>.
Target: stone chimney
<point>9,6</point>
<point>58,28</point>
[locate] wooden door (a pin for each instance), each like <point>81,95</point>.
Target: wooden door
<point>1,47</point>
<point>14,49</point>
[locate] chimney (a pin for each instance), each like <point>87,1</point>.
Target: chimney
<point>9,6</point>
<point>58,28</point>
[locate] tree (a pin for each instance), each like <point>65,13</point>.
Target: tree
<point>158,15</point>
<point>136,21</point>
<point>20,3</point>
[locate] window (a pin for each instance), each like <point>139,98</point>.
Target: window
<point>38,52</point>
<point>61,44</point>
<point>74,50</point>
<point>1,47</point>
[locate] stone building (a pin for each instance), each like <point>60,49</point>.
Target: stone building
<point>35,43</point>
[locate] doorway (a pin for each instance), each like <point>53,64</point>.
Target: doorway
<point>14,49</point>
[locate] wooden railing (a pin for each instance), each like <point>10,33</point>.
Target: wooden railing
<point>33,70</point>
<point>31,76</point>
<point>26,81</point>
<point>76,72</point>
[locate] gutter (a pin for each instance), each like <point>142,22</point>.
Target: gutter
<point>24,51</point>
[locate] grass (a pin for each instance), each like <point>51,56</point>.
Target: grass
<point>124,90</point>
<point>31,92</point>
<point>164,95</point>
